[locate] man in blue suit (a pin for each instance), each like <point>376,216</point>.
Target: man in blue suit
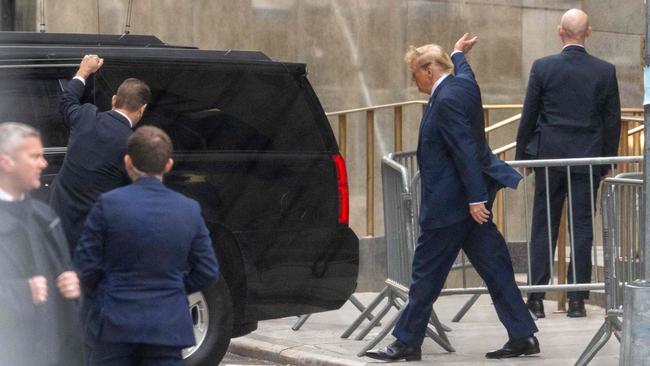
<point>96,145</point>
<point>572,110</point>
<point>143,249</point>
<point>460,178</point>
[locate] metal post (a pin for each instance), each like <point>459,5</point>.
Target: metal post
<point>343,135</point>
<point>561,259</point>
<point>635,349</point>
<point>398,128</point>
<point>646,162</point>
<point>370,173</point>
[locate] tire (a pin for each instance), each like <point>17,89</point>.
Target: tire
<point>212,314</point>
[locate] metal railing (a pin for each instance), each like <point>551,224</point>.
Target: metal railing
<point>401,217</point>
<point>631,137</point>
<point>622,206</point>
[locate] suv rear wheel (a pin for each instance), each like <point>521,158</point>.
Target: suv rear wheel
<point>212,315</point>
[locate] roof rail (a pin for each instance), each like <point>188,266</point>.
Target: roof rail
<point>125,40</point>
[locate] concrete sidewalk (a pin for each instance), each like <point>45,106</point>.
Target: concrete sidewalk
<point>318,342</point>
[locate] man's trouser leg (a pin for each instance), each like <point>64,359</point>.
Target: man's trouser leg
<point>581,201</point>
<point>434,255</point>
<point>487,250</point>
<point>539,239</point>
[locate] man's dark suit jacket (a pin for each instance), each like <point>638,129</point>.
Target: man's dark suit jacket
<point>143,249</point>
<point>572,108</point>
<point>456,164</point>
<point>32,243</point>
<point>94,159</point>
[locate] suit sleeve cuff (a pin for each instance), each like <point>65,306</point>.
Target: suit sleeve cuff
<point>455,52</point>
<point>476,203</point>
<point>83,81</point>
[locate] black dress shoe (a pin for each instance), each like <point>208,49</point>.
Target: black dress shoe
<point>576,309</point>
<point>518,347</point>
<point>536,306</point>
<point>396,351</point>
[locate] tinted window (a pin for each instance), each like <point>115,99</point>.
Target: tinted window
<point>33,96</point>
<point>222,107</point>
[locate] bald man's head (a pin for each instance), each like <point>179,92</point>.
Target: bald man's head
<point>574,26</point>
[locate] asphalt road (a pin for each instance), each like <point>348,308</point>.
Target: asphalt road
<point>234,360</point>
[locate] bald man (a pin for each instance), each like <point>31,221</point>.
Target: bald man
<point>572,110</point>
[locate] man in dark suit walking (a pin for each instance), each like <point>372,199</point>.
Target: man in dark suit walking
<point>93,162</point>
<point>571,110</point>
<point>460,177</point>
<point>143,249</point>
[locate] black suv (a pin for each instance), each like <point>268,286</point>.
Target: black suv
<point>252,145</point>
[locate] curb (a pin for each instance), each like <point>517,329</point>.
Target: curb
<point>276,350</point>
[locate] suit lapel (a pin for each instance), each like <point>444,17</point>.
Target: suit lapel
<point>429,109</point>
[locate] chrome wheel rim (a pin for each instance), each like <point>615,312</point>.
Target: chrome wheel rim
<point>198,308</point>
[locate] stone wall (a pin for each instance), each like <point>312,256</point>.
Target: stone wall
<point>354,48</point>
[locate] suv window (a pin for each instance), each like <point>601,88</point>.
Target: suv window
<point>32,95</point>
<point>221,107</point>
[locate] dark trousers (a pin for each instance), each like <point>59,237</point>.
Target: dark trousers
<point>582,231</point>
<point>434,255</point>
<point>134,354</point>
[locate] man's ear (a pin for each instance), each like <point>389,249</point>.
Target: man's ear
<point>169,165</point>
<point>6,163</point>
<point>113,100</point>
<point>588,33</point>
<point>560,31</point>
<point>128,163</point>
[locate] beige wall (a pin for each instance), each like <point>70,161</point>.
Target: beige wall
<point>353,48</point>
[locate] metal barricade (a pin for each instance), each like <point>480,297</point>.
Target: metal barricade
<point>405,222</point>
<point>401,226</point>
<point>622,211</point>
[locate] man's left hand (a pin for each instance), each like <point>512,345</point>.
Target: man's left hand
<point>479,213</point>
<point>465,44</point>
<point>68,285</point>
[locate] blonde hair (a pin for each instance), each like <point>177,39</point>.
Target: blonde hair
<point>430,54</point>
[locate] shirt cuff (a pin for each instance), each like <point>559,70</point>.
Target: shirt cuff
<point>83,81</point>
<point>476,203</point>
<point>455,52</point>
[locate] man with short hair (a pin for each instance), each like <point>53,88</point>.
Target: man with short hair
<point>94,158</point>
<point>38,287</point>
<point>143,249</point>
<point>571,110</point>
<point>460,177</point>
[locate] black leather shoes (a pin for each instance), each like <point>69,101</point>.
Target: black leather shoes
<point>518,347</point>
<point>536,306</point>
<point>576,309</point>
<point>396,351</point>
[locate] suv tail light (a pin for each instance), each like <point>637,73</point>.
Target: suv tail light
<point>344,192</point>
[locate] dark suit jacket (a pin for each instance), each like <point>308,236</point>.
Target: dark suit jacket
<point>143,249</point>
<point>94,160</point>
<point>572,108</point>
<point>32,243</point>
<point>455,162</point>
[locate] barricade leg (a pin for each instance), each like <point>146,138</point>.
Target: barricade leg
<point>366,312</point>
<point>461,313</point>
<point>441,339</point>
<point>301,320</point>
<point>381,315</point>
<point>440,328</point>
<point>382,334</point>
<point>597,342</point>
